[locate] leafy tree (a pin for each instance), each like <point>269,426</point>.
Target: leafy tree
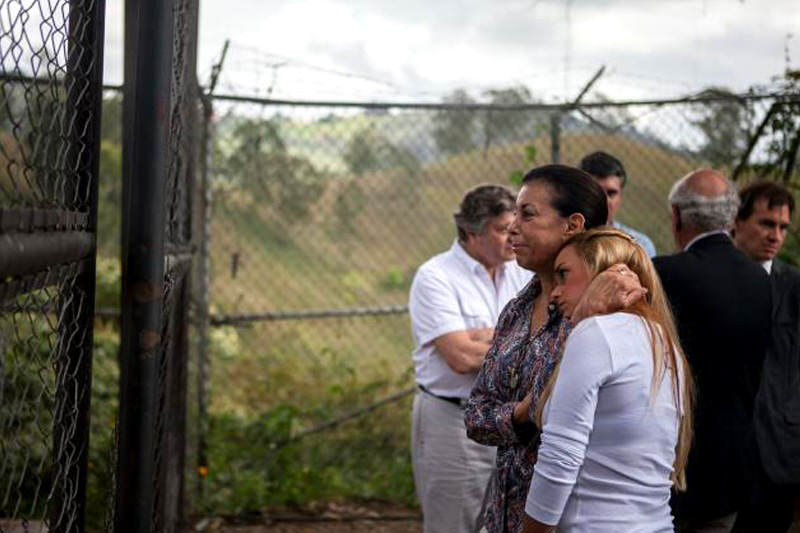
<point>724,124</point>
<point>778,139</point>
<point>506,126</point>
<point>368,151</point>
<point>454,130</point>
<point>260,162</point>
<point>361,153</point>
<point>781,128</point>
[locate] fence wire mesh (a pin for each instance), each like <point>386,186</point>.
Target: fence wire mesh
<point>50,61</point>
<point>321,215</point>
<point>170,436</point>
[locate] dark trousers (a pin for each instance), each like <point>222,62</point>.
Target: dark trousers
<point>769,509</point>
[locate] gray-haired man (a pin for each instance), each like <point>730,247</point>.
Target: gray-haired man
<point>454,303</point>
<point>722,304</point>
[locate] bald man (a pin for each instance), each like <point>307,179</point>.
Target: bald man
<point>721,300</point>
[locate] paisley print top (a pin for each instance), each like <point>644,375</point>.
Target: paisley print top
<point>518,361</point>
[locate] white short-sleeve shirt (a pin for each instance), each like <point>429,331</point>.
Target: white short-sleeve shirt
<point>453,292</point>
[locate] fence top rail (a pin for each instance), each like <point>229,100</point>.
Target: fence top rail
<point>701,98</point>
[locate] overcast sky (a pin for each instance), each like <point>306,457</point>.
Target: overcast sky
<point>422,49</point>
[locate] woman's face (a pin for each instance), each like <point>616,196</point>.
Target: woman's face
<point>571,278</point>
<point>538,230</point>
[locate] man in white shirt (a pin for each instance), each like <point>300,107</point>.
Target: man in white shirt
<point>456,298</point>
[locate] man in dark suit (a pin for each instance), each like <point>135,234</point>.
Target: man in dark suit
<point>721,301</point>
<point>759,231</point>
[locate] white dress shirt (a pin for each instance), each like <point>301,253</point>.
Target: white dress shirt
<point>453,292</point>
<point>607,448</point>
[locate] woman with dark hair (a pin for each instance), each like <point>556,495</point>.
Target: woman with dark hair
<point>616,415</point>
<point>555,203</point>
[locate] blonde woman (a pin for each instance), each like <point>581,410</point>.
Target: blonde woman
<point>616,415</point>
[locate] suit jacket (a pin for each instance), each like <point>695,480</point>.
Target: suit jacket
<point>777,419</point>
<point>722,305</point>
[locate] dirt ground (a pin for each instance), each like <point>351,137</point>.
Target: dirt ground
<point>331,527</point>
<point>336,518</point>
<point>373,518</point>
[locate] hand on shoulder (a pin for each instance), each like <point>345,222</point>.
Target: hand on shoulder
<point>614,289</point>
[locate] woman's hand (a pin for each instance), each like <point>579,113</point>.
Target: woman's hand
<point>531,525</point>
<point>614,289</point>
<point>521,409</point>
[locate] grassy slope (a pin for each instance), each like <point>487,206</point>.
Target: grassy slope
<point>271,379</point>
<point>318,263</point>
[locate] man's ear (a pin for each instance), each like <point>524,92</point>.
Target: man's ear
<point>676,219</point>
<point>576,223</point>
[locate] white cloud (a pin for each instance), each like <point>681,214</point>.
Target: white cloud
<point>652,47</point>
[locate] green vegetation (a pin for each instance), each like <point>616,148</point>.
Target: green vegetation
<point>338,213</point>
<point>386,207</point>
<point>272,380</point>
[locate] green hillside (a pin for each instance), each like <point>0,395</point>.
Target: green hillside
<point>262,261</point>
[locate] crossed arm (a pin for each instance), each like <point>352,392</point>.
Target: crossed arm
<point>464,351</point>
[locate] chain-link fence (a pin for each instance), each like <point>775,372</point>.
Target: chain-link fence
<point>317,216</point>
<point>51,227</point>
<point>50,96</point>
<point>321,215</point>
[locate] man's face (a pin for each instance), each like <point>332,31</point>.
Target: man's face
<point>612,185</point>
<point>493,245</point>
<point>761,235</point>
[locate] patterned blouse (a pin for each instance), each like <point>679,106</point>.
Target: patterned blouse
<point>515,364</point>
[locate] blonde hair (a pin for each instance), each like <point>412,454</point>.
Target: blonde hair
<point>601,248</point>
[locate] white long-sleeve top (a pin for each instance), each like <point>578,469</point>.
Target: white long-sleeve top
<point>607,449</point>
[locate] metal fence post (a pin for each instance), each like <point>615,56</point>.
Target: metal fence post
<point>146,120</point>
<point>169,509</point>
<point>205,199</point>
<point>76,300</point>
<point>203,300</point>
<point>555,137</point>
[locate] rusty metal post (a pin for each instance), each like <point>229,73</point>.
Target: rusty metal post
<point>148,72</point>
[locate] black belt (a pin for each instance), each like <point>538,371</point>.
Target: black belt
<point>452,399</point>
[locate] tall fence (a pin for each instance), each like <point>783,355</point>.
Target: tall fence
<point>283,274</point>
<point>320,215</point>
<point>51,57</point>
<point>160,109</point>
<point>123,469</point>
